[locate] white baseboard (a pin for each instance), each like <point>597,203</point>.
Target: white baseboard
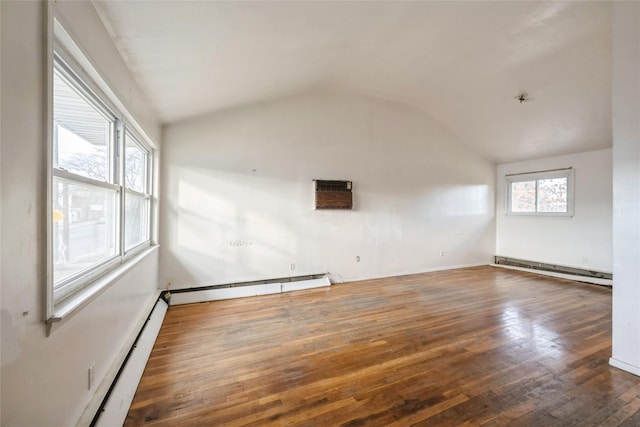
<point>103,389</point>
<point>117,406</point>
<point>306,284</point>
<point>594,280</point>
<point>204,295</point>
<point>336,278</point>
<point>635,370</point>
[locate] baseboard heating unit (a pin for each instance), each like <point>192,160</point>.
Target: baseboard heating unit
<point>247,289</point>
<point>115,405</point>
<point>573,273</point>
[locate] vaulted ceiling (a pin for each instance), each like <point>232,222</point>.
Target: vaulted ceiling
<point>463,63</point>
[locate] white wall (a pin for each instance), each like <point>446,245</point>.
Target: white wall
<point>239,193</point>
<point>85,27</point>
<point>44,379</point>
<point>626,181</point>
<point>584,240</point>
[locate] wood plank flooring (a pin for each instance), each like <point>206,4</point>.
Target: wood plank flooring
<point>477,346</point>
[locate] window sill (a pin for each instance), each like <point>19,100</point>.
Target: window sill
<point>557,215</point>
<point>72,305</point>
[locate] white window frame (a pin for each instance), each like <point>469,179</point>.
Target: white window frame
<point>537,176</point>
<point>65,55</point>
<point>131,137</point>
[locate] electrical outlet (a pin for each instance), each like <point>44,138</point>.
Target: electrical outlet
<point>91,375</point>
<point>357,258</point>
<point>441,253</point>
<point>292,266</point>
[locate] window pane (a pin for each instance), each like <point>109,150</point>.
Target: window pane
<point>84,227</point>
<point>136,220</point>
<point>135,168</point>
<point>81,133</point>
<point>523,196</point>
<point>552,195</point>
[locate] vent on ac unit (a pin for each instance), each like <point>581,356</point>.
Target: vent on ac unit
<point>333,194</point>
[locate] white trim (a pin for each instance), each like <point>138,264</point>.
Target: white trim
<point>131,252</point>
<point>336,278</point>
<point>102,390</point>
<point>65,288</point>
<point>73,178</point>
<point>536,176</point>
<point>581,267</point>
<point>203,295</point>
<point>60,292</point>
<point>245,291</point>
<point>130,136</point>
<point>531,176</point>
<point>224,293</point>
<point>119,161</point>
<point>147,241</point>
<point>137,193</point>
<point>305,284</point>
<point>635,370</point>
<point>48,139</point>
<point>586,279</point>
<point>73,65</point>
<point>117,406</point>
<point>71,305</point>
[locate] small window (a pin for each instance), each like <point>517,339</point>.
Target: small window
<point>548,193</point>
<point>137,197</point>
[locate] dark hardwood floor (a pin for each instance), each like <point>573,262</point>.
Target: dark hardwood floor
<point>476,346</point>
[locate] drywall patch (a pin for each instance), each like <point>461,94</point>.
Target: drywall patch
<point>240,242</point>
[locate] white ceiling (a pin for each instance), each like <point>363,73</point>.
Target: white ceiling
<point>461,62</point>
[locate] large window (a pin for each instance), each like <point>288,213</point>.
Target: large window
<point>100,184</point>
<point>548,193</point>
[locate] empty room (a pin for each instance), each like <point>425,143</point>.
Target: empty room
<point>319,213</point>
